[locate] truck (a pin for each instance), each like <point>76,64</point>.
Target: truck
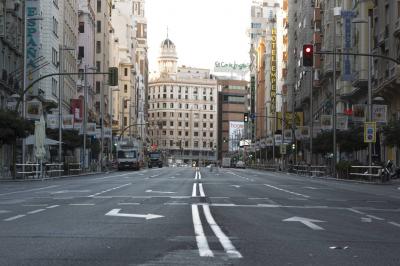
<point>155,159</point>
<point>128,156</point>
<point>226,162</point>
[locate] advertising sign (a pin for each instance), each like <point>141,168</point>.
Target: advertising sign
<point>273,72</point>
<point>91,129</point>
<point>379,113</point>
<point>34,109</point>
<point>32,11</point>
<point>370,132</point>
<point>288,135</point>
<point>231,67</point>
<point>236,131</point>
<point>278,139</point>
<point>68,121</point>
<point>52,121</point>
<point>269,142</point>
<point>342,122</point>
<point>326,122</point>
<point>359,111</point>
<point>283,149</point>
<point>298,119</point>
<point>347,17</point>
<point>302,132</point>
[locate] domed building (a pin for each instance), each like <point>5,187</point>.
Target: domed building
<point>182,110</point>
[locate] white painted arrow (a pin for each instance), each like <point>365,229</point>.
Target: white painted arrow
<point>162,192</point>
<point>306,221</point>
<point>149,216</point>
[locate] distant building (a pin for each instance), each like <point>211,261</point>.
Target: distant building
<point>182,109</point>
<point>233,103</point>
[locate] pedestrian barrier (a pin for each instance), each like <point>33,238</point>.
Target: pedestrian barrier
<point>74,168</point>
<point>370,172</point>
<point>54,169</point>
<point>27,170</point>
<point>311,170</point>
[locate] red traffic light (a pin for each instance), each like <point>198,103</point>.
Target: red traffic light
<point>308,55</point>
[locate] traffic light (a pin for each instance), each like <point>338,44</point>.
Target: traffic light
<point>308,55</point>
<point>246,117</point>
<point>113,76</point>
<point>293,146</point>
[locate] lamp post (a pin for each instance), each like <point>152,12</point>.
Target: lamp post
<point>368,21</point>
<point>62,48</point>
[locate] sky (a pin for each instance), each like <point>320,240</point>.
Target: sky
<point>203,31</point>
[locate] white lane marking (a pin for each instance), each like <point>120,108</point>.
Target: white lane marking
<point>70,191</point>
<point>116,212</point>
<point>34,205</point>
<point>199,175</point>
<point>306,221</point>
<point>128,203</point>
<point>258,198</point>
<point>29,190</point>
<point>52,206</point>
<point>82,204</point>
<point>366,220</point>
<point>395,224</point>
<point>36,211</point>
<point>202,194</point>
<point>195,175</point>
<point>375,217</point>
<point>155,175</point>
<point>236,186</point>
<point>194,191</point>
<point>160,192</point>
<point>108,190</point>
<point>106,177</point>
<point>287,191</point>
<point>223,239</point>
<point>201,240</point>
<point>356,211</point>
<point>14,218</point>
<point>4,211</point>
<point>176,203</point>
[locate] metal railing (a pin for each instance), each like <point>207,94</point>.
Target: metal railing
<point>309,170</point>
<point>27,170</point>
<point>369,172</point>
<point>74,168</point>
<point>54,169</point>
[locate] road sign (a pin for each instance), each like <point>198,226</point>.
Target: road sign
<point>370,132</point>
<point>283,149</point>
<point>252,116</point>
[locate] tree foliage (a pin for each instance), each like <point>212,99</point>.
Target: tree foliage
<point>13,126</point>
<point>392,133</point>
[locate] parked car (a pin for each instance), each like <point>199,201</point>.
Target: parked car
<point>240,164</point>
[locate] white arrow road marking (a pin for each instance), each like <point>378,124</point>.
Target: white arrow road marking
<point>236,186</point>
<point>306,221</point>
<point>161,192</point>
<point>149,216</point>
<point>366,220</point>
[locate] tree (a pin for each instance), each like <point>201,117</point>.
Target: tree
<point>13,126</point>
<point>392,133</point>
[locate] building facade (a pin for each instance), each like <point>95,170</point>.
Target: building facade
<point>182,109</point>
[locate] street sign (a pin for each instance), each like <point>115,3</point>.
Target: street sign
<point>370,132</point>
<point>283,149</point>
<point>252,116</point>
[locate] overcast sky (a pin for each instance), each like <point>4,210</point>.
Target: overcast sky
<point>204,31</point>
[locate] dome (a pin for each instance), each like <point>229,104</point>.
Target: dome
<point>167,43</point>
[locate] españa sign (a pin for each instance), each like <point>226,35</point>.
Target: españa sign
<point>273,71</point>
<point>32,35</point>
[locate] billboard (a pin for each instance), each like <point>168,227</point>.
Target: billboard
<point>32,37</point>
<point>236,132</point>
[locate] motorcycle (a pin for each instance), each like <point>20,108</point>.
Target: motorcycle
<point>389,172</point>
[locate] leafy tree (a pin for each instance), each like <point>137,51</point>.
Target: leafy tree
<point>392,133</point>
<point>13,126</point>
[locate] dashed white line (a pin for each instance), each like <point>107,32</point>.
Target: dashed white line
<point>196,175</point>
<point>287,191</point>
<point>128,203</point>
<point>199,176</point>
<point>201,240</point>
<point>36,211</point>
<point>176,203</point>
<point>30,190</point>
<point>223,239</point>
<point>14,218</point>
<point>108,190</point>
<point>52,206</point>
<point>395,224</point>
<point>82,204</point>
<point>375,217</point>
<point>356,211</point>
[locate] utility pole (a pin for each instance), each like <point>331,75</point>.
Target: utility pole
<point>84,118</point>
<point>334,159</point>
<point>311,116</point>
<point>369,92</point>
<point>101,124</point>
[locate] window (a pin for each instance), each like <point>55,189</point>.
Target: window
<point>164,132</point>
<point>98,87</point>
<point>171,96</point>
<point>196,134</point>
<point>125,121</point>
<point>186,133</point>
<point>196,144</point>
<point>211,144</point>
<point>171,133</point>
<point>211,107</point>
<point>98,6</point>
<point>125,104</point>
<point>98,66</point>
<point>81,27</point>
<point>204,134</point>
<point>171,114</point>
<point>205,125</point>
<point>125,72</point>
<point>171,143</point>
<point>165,89</point>
<point>179,133</point>
<point>54,85</point>
<point>98,26</point>
<point>186,143</point>
<point>187,115</point>
<point>205,98</point>
<point>186,90</point>
<point>125,88</point>
<point>81,52</point>
<point>54,57</point>
<point>171,123</point>
<point>186,97</point>
<point>204,116</point>
<point>164,123</point>
<point>180,89</point>
<point>98,47</point>
<point>179,114</point>
<point>211,116</point>
<point>211,125</point>
<point>211,134</point>
<point>171,105</point>
<point>164,105</point>
<point>180,106</point>
<point>55,26</point>
<point>164,114</point>
<point>196,116</point>
<point>204,144</point>
<point>196,124</point>
<point>211,98</point>
<point>164,96</point>
<point>205,107</point>
<point>179,96</point>
<point>179,124</point>
<point>186,124</point>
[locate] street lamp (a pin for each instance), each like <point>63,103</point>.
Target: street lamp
<point>368,21</point>
<point>62,48</point>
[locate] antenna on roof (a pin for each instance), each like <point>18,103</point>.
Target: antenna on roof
<point>167,32</point>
